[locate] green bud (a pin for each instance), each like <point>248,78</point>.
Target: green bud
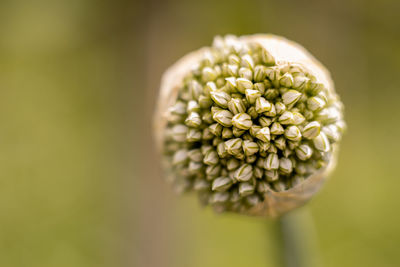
<point>321,142</point>
<point>180,157</point>
<point>195,155</point>
<point>277,128</point>
<point>244,173</point>
<point>259,74</point>
<point>208,74</point>
<point>237,132</point>
<point>291,97</point>
<point>252,112</point>
<point>249,147</point>
<point>301,82</point>
<point>179,132</point>
<point>253,200</point>
<point>223,117</point>
<point>233,146</point>
<point>264,121</point>
<point>315,103</point>
<point>216,129</point>
<point>174,118</point>
<point>245,189</point>
<point>262,105</point>
<point>286,80</point>
<point>220,98</point>
<point>232,70</point>
<point>208,59</point>
<point>280,108</point>
<point>252,95</point>
<point>263,146</point>
<point>279,186</point>
<point>239,156</point>
<point>311,130</point>
<point>298,118</point>
<point>179,108</point>
<point>201,184</point>
<point>222,153</point>
<point>232,164</point>
<point>260,87</point>
<point>194,167</point>
<point>211,158</point>
<point>315,88</point>
<point>285,166</point>
<point>329,115</point>
<point>254,129</point>
<point>273,74</point>
<point>258,172</point>
<point>242,121</point>
<point>287,151</point>
<point>231,83</point>
<point>194,135</point>
<point>341,126</point>
<point>286,118</point>
<point>272,162</point>
<point>236,106</point>
<point>271,112</point>
<point>331,131</point>
<point>193,106</point>
<point>193,120</point>
<point>293,133</point>
<point>267,58</point>
<point>271,94</point>
<point>233,59</point>
<point>205,101</point>
<point>205,149</point>
<point>247,62</point>
<point>262,187</point>
<point>272,149</point>
<point>215,109</point>
<point>304,152</point>
<point>219,197</point>
<point>210,87</point>
<point>243,84</point>
<point>207,134</point>
<point>271,175</point>
<point>251,158</point>
<point>213,171</point>
<point>227,133</point>
<point>221,184</point>
<point>280,143</point>
<point>301,168</point>
<point>246,73</point>
<point>195,89</point>
<point>293,144</point>
<point>263,134</point>
<point>247,136</point>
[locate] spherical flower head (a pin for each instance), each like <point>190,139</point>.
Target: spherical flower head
<point>251,124</point>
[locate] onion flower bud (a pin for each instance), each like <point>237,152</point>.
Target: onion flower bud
<point>250,124</point>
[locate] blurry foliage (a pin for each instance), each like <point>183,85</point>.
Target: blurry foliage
<point>79,184</point>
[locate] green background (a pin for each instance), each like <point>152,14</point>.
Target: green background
<point>80,183</point>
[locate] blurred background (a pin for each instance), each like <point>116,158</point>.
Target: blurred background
<point>80,183</point>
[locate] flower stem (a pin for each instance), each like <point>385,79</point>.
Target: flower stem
<point>298,240</point>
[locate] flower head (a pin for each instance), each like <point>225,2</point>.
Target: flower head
<point>245,123</point>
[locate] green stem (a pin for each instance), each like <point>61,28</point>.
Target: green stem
<point>298,240</point>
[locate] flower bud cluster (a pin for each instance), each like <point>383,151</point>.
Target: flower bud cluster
<point>243,124</point>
